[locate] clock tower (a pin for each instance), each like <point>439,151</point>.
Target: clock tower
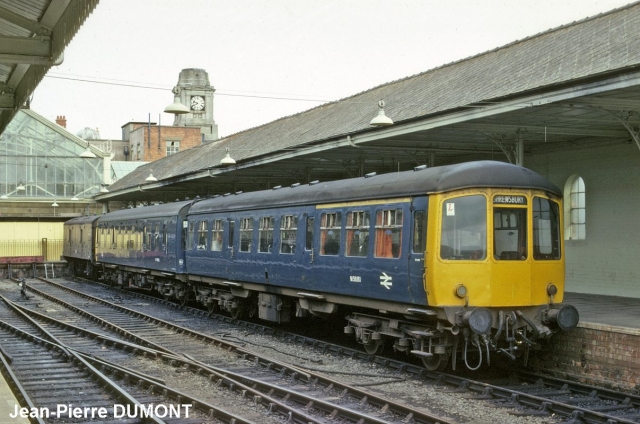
<point>196,94</point>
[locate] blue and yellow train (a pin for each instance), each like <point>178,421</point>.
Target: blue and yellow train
<point>451,263</point>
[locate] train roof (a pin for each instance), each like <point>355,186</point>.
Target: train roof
<point>478,174</point>
<point>154,211</point>
<point>82,220</point>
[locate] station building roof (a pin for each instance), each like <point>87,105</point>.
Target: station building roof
<point>33,36</point>
<point>570,85</point>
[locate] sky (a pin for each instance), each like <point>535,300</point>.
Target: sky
<point>272,58</point>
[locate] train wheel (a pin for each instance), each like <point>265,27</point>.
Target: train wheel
<point>373,346</point>
<point>212,308</point>
<point>436,362</point>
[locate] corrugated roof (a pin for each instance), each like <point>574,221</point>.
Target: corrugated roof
<point>592,47</point>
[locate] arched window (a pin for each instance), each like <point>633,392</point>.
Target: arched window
<point>574,209</point>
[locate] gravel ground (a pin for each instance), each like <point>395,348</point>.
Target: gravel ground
<point>404,388</point>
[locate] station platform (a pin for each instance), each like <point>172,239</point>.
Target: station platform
<point>8,404</point>
<point>608,313</point>
<point>604,350</point>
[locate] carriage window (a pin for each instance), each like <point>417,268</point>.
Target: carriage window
<point>358,233</point>
<point>246,234</point>
<point>203,232</point>
<point>546,229</point>
<point>308,245</point>
<point>464,228</point>
<point>510,233</point>
<point>165,235</point>
<point>288,234</point>
<point>158,241</point>
<point>191,235</point>
<point>232,226</point>
<point>388,233</point>
<point>419,232</point>
<point>216,238</point>
<point>265,234</point>
<point>330,224</point>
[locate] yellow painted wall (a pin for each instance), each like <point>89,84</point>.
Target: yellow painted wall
<point>30,230</point>
<point>25,239</point>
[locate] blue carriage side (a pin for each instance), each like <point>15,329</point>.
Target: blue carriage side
<point>142,245</point>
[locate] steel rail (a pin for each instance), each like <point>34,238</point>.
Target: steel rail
<point>14,383</point>
<point>115,328</point>
<point>154,385</point>
<point>286,370</point>
<point>514,398</point>
<point>119,391</point>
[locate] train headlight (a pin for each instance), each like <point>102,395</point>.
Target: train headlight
<point>552,290</point>
<point>479,320</point>
<point>460,291</point>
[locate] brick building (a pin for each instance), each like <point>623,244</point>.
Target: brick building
<point>148,141</point>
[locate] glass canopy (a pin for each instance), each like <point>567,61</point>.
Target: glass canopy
<point>39,159</point>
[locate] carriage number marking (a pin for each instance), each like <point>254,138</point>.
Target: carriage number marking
<point>355,279</point>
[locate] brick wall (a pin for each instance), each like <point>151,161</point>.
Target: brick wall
<point>594,356</point>
<point>151,150</point>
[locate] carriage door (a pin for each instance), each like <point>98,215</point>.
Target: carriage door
<point>418,248</point>
<point>511,281</point>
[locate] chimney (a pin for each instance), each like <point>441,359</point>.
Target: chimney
<point>62,121</point>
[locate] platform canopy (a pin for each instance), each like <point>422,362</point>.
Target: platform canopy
<point>572,87</point>
<point>33,36</point>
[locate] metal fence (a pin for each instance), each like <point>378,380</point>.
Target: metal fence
<point>50,250</point>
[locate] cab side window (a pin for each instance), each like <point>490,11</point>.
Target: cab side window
<point>419,231</point>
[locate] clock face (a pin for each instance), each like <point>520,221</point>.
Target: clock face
<point>197,103</point>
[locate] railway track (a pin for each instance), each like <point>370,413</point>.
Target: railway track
<point>531,395</point>
<point>301,395</point>
<point>59,384</point>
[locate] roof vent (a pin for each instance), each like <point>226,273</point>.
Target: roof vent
<point>295,185</point>
<point>277,187</point>
<point>420,167</point>
<point>238,192</point>
<point>314,182</point>
<point>216,195</point>
<point>370,174</point>
<point>227,194</point>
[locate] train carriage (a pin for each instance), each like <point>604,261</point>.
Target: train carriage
<point>431,261</point>
<point>452,263</point>
<point>78,246</point>
<point>143,247</point>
